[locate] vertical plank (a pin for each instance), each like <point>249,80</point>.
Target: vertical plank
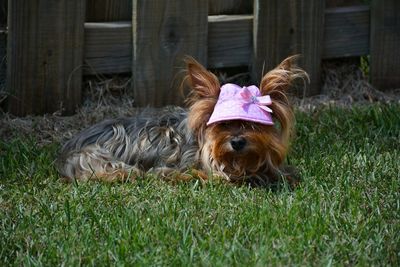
<point>272,35</point>
<point>163,32</point>
<point>3,42</point>
<point>108,10</point>
<point>300,32</point>
<point>309,37</point>
<point>385,43</point>
<point>3,64</point>
<point>3,12</point>
<point>44,55</point>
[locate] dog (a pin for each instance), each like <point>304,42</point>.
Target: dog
<point>237,134</point>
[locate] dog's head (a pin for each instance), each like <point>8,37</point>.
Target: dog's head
<point>241,130</point>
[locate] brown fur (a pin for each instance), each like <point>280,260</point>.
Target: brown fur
<point>268,145</point>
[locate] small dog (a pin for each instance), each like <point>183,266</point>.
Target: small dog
<point>235,133</point>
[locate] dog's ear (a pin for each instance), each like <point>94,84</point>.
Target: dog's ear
<point>276,84</point>
<point>203,96</point>
<point>280,79</point>
<point>202,82</point>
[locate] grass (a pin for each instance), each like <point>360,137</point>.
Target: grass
<point>345,212</point>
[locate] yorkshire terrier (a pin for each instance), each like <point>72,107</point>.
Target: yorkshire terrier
<point>228,132</point>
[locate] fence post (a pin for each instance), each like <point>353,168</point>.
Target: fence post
<point>3,42</point>
<point>385,43</point>
<point>108,10</point>
<point>285,27</point>
<point>163,32</point>
<point>44,55</point>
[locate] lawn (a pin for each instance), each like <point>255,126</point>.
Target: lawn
<point>346,211</point>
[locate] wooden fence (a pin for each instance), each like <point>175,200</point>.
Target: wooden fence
<point>48,55</point>
<point>3,30</point>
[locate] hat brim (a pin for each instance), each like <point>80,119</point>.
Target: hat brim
<point>231,110</point>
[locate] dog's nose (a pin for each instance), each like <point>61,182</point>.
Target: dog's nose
<point>238,143</point>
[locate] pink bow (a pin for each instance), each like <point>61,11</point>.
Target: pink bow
<point>261,101</point>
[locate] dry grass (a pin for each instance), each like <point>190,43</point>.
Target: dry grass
<point>344,84</point>
<point>104,98</point>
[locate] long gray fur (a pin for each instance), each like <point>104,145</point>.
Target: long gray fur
<point>151,139</point>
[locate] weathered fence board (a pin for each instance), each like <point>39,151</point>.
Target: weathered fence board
<point>3,40</point>
<point>385,44</point>
<point>3,54</point>
<point>3,12</point>
<point>280,31</point>
<point>346,32</point>
<point>174,29</point>
<point>309,34</point>
<point>108,47</point>
<point>271,35</point>
<point>229,40</point>
<point>108,10</point>
<point>45,55</point>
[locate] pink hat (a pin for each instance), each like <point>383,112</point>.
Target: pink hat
<point>242,103</point>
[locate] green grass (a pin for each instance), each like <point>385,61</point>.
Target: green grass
<point>345,212</point>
